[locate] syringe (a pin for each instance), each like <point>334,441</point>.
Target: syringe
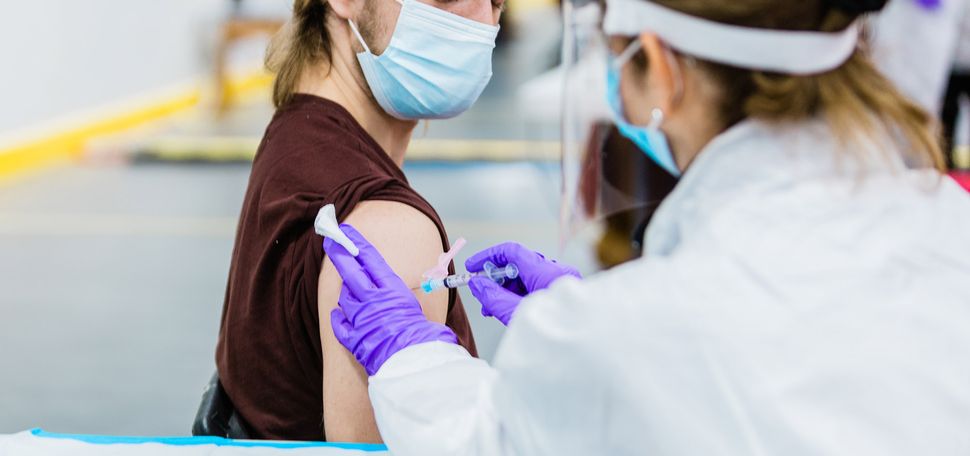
<point>497,274</point>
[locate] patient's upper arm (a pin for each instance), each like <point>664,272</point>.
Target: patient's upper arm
<point>407,239</point>
<point>411,244</point>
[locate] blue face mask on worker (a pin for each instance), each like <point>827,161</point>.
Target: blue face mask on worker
<point>650,139</point>
<point>435,67</point>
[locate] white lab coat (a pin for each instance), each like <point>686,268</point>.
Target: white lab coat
<point>919,48</point>
<point>787,305</point>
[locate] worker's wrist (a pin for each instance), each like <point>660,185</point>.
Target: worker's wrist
<point>420,357</point>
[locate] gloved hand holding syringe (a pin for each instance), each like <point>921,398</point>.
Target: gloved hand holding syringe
<point>436,278</point>
<point>378,315</point>
<point>498,274</point>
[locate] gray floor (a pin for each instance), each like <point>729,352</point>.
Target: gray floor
<point>113,279</point>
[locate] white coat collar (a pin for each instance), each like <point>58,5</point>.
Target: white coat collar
<point>752,156</point>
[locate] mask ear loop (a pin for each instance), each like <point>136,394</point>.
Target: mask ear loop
<point>657,115</point>
<point>627,54</point>
<point>360,37</point>
<point>656,119</point>
<point>619,61</point>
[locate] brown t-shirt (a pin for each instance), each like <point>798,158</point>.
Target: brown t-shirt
<point>269,356</point>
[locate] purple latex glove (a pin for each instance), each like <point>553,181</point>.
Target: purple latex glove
<point>378,314</point>
<point>535,273</point>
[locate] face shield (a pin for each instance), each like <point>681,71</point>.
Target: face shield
<point>607,182</point>
<point>606,176</point>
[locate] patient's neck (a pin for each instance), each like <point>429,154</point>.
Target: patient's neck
<point>344,84</point>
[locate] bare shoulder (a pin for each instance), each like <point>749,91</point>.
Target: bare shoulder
<point>408,240</point>
<point>398,227</point>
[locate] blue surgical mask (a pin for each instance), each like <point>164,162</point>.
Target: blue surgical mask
<point>435,67</point>
<point>650,139</point>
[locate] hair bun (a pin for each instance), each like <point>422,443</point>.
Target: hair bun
<point>858,6</point>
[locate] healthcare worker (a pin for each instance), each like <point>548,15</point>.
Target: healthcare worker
<point>805,289</point>
<point>916,42</point>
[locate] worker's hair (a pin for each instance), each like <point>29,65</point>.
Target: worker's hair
<point>855,99</point>
<point>303,42</point>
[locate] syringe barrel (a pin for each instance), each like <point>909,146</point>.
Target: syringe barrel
<point>498,274</point>
<point>458,280</point>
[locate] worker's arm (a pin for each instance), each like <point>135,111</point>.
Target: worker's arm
<point>411,244</point>
<point>437,389</point>
<point>915,46</point>
<point>433,399</point>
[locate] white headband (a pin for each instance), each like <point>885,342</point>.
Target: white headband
<point>788,52</point>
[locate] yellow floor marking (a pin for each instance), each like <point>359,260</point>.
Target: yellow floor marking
<point>69,143</point>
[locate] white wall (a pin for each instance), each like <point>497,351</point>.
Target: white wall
<point>64,56</point>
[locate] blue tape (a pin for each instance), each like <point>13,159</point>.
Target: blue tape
<point>217,441</point>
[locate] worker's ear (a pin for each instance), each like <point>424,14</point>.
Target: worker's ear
<point>347,9</point>
<point>664,81</point>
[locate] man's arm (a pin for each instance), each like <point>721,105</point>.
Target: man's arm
<point>411,244</point>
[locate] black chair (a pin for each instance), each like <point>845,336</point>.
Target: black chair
<point>217,416</point>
